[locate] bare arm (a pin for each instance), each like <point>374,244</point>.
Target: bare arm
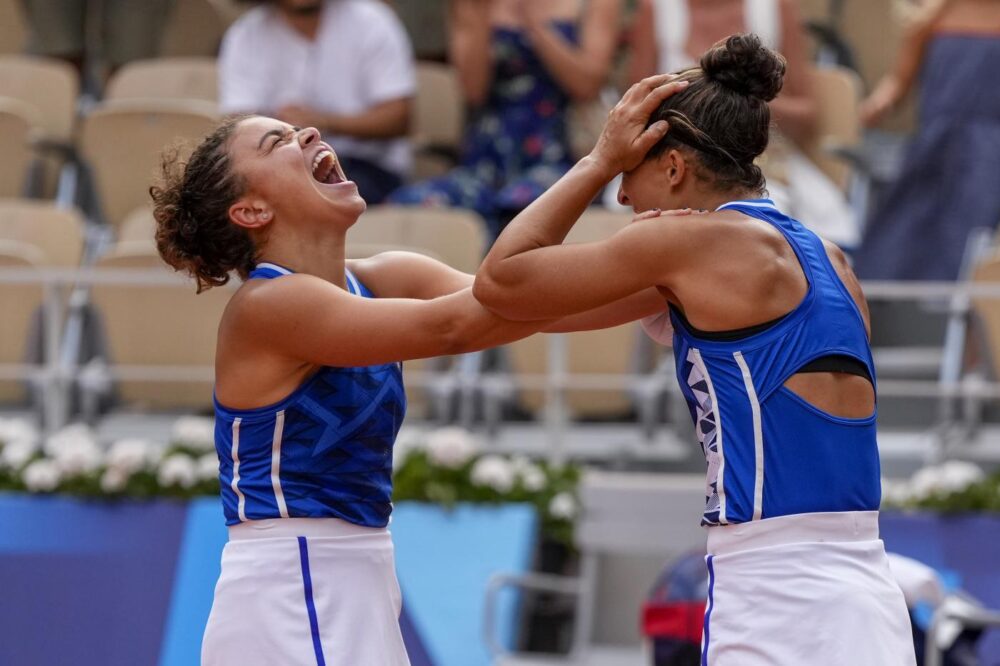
<point>382,121</point>
<point>470,47</point>
<point>309,320</point>
<point>580,70</point>
<point>795,110</point>
<point>895,85</point>
<point>644,59</point>
<point>529,275</point>
<point>410,275</point>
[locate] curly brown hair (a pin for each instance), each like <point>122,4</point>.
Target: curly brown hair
<point>723,114</point>
<point>191,208</point>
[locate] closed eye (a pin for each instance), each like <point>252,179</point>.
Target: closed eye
<point>281,135</point>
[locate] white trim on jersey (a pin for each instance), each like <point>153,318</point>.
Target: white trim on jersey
<point>355,287</point>
<point>279,495</point>
<point>241,501</point>
<point>762,203</point>
<point>758,437</point>
<point>275,267</point>
<point>720,487</point>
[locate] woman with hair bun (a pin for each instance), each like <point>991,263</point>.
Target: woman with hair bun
<point>770,336</point>
<point>308,388</point>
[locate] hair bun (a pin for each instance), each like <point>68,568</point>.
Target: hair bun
<point>743,64</point>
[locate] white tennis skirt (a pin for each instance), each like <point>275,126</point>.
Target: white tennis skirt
<point>305,592</point>
<point>807,589</point>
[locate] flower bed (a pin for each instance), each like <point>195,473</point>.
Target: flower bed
<point>444,467</point>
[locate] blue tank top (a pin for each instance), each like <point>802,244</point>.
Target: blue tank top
<point>325,451</point>
<point>769,452</point>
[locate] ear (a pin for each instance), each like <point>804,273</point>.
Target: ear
<point>675,167</point>
<point>251,213</point>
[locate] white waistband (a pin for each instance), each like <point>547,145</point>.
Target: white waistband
<point>276,528</point>
<point>801,528</point>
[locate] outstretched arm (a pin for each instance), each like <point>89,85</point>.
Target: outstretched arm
<point>529,275</point>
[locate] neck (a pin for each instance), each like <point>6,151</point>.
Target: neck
<point>709,200</point>
<point>323,257</point>
<point>306,25</point>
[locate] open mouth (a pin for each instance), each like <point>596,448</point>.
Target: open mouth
<point>326,169</point>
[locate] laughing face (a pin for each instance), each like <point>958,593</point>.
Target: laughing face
<point>291,175</point>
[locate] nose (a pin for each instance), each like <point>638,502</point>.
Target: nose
<point>308,135</point>
<point>622,197</point>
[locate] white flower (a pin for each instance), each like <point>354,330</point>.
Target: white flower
<point>178,469</point>
<point>41,476</point>
<point>208,467</point>
<point>16,453</point>
<point>77,456</point>
<point>957,475</point>
<point>407,441</point>
<point>69,437</point>
<point>17,430</point>
<point>114,479</point>
<point>132,455</point>
<point>532,478</point>
<point>895,491</point>
<point>197,432</point>
<point>493,472</point>
<point>563,506</point>
<point>451,447</point>
<point>952,476</point>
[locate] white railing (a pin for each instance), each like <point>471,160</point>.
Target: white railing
<point>57,374</point>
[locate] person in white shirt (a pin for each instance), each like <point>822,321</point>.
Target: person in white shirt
<point>343,66</point>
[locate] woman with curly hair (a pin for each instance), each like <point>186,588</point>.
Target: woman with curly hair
<point>308,388</point>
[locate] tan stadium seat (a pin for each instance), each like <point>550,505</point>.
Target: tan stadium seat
<point>13,27</point>
<point>454,235</point>
<point>20,304</point>
<point>139,225</point>
<point>839,93</point>
<point>438,118</point>
<point>195,28</point>
<point>57,233</point>
<point>16,135</point>
<point>49,85</point>
<point>158,328</point>
<point>166,78</point>
<point>123,143</point>
<point>606,352</point>
<point>988,309</point>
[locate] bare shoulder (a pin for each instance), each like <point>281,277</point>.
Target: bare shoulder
<point>842,265</point>
<point>259,301</point>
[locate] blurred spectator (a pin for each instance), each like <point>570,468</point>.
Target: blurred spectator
<point>521,63</point>
<point>670,35</point>
<point>342,66</point>
<point>426,23</point>
<point>949,183</point>
<point>127,30</point>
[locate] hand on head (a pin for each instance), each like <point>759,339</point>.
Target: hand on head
<point>625,140</point>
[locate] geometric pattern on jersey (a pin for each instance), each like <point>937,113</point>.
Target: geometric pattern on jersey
<point>324,451</point>
<point>706,428</point>
<point>767,451</point>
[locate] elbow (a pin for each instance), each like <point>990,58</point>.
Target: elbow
<point>494,295</point>
<point>586,88</point>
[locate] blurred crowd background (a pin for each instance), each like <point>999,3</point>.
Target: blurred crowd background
<point>452,116</point>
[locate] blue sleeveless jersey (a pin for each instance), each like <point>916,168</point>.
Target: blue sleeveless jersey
<point>325,451</point>
<point>769,452</point>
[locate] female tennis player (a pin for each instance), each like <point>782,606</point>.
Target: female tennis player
<point>309,393</point>
<point>770,338</point>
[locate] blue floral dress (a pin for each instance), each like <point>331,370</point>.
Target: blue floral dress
<point>515,146</point>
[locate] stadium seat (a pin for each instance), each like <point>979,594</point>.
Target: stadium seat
<point>610,353</point>
<point>56,233</point>
<point>20,304</point>
<point>166,78</point>
<point>123,143</point>
<point>839,127</point>
<point>195,28</point>
<point>13,27</point>
<point>15,146</point>
<point>49,85</point>
<point>438,119</point>
<point>160,340</point>
<point>454,235</point>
